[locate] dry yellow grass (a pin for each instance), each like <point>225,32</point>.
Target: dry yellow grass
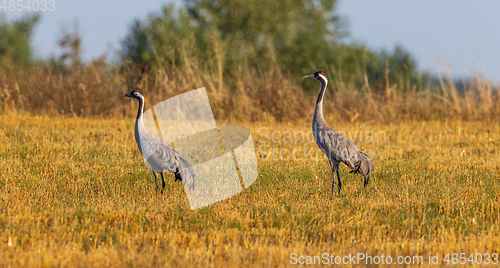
<point>94,89</point>
<point>75,193</point>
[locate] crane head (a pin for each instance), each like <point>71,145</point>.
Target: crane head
<point>136,94</point>
<point>319,75</point>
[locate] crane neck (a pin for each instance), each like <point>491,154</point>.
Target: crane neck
<point>140,129</point>
<point>318,112</point>
<point>141,108</point>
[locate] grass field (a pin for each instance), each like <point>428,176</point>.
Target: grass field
<point>75,193</point>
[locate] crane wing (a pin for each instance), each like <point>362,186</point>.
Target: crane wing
<point>162,156</point>
<point>341,148</point>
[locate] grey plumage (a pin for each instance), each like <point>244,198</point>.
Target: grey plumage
<point>159,155</point>
<point>334,145</point>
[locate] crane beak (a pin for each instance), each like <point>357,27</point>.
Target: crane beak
<point>308,76</point>
<point>126,95</point>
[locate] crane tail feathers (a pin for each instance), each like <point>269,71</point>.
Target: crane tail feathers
<point>367,180</point>
<point>185,173</point>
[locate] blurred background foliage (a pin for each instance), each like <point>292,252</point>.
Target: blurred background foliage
<point>250,55</point>
<point>295,37</point>
<point>15,41</point>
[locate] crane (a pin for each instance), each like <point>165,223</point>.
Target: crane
<point>334,145</point>
<point>159,155</point>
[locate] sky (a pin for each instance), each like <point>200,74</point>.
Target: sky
<point>455,36</point>
<point>448,36</point>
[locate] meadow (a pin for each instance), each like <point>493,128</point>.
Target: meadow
<point>75,193</point>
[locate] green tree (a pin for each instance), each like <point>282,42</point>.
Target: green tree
<point>135,47</point>
<point>402,68</point>
<point>295,34</point>
<point>15,41</point>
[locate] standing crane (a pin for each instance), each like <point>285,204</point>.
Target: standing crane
<point>160,156</point>
<point>336,147</point>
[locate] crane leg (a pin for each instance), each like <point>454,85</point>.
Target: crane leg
<point>162,182</point>
<point>340,183</point>
<point>156,180</point>
<point>333,182</point>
